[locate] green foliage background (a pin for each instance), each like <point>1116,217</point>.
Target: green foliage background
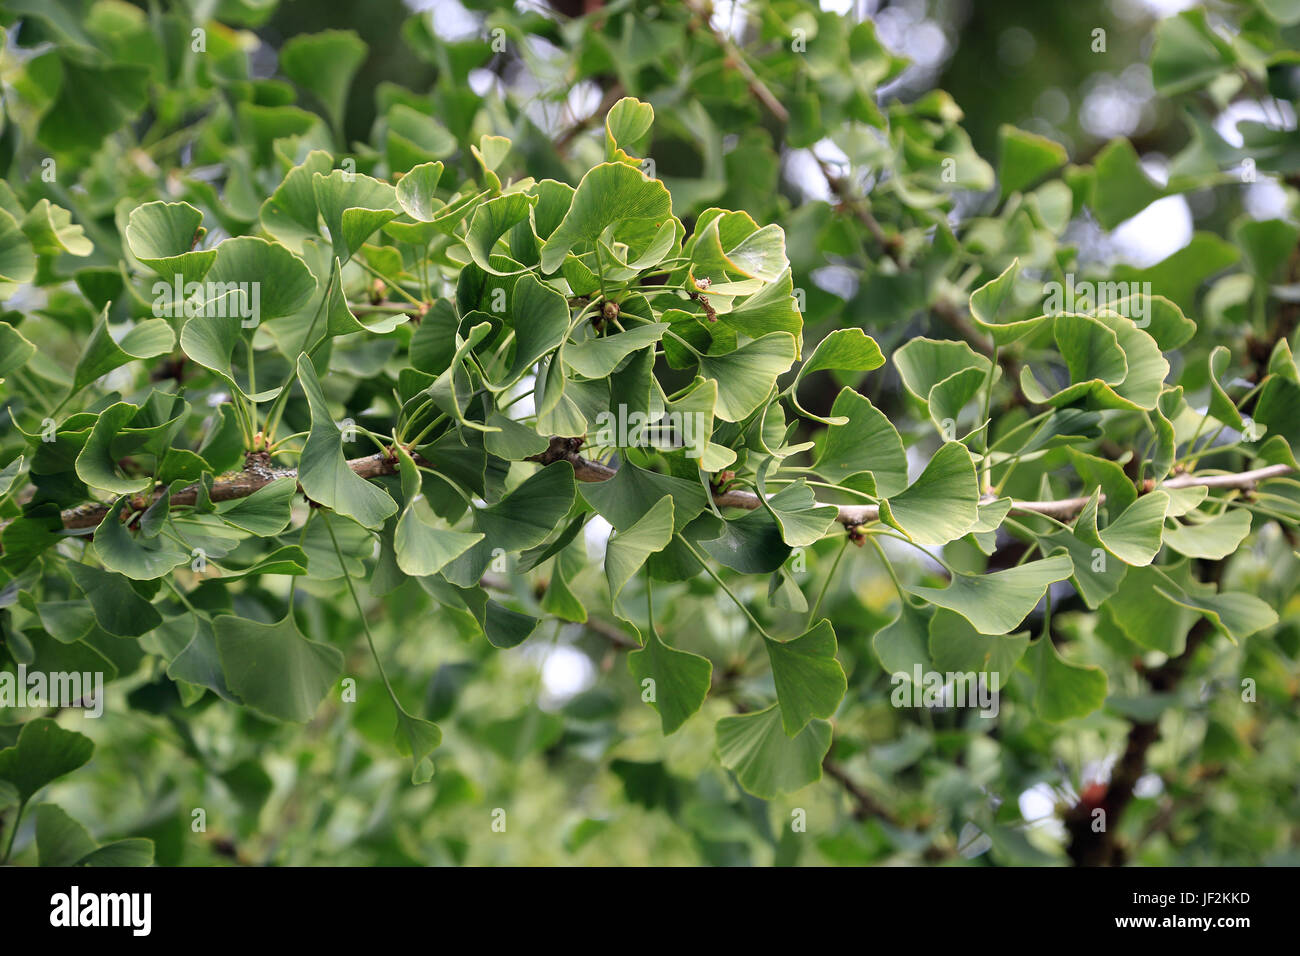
<point>837,263</point>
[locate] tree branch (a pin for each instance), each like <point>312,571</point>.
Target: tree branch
<point>259,472</point>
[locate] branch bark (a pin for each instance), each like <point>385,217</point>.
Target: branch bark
<point>259,472</point>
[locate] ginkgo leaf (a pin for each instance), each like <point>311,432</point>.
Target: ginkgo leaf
<point>119,551</point>
<point>995,603</point>
<point>1135,536</point>
<point>598,356</point>
<point>323,472</point>
<point>809,680</point>
<point>289,215</point>
<point>957,647</point>
<point>628,549</point>
<point>1064,690</point>
<point>118,608</point>
<point>868,444</point>
<point>745,377</point>
<point>353,207</point>
<point>421,548</point>
<point>923,363</point>
<point>52,231</point>
<point>609,193</point>
<point>844,350</point>
<point>324,63</point>
<point>102,353</point>
<point>17,257</point>
<point>942,504</point>
<point>273,668</point>
<point>1211,539</point>
<point>767,762</point>
<point>678,680</point>
<point>163,236</point>
<point>43,752</point>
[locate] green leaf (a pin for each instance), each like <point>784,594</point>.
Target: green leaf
<point>60,840</point>
<point>746,376</point>
<point>924,363</point>
<point>9,474</point>
<point>118,608</point>
<point>597,357</point>
<point>118,551</point>
<point>1122,188</point>
<point>609,194</point>
<point>43,753</point>
<point>1187,54</point>
<point>52,231</point>
<point>278,283</point>
<point>136,851</point>
<point>273,668</point>
<point>801,519</point>
<point>1025,158</point>
<point>1146,614</point>
<point>289,215</point>
<point>772,308</point>
<point>353,206</point>
<point>987,302</point>
<point>339,317</point>
<point>1135,536</point>
<point>1064,690</point>
<point>627,121</point>
<point>164,236</point>
<point>1211,539</point>
<point>1236,613</point>
<point>325,63</point>
<point>809,680</point>
<point>766,762</point>
<point>624,499</point>
<point>942,504</point>
<point>417,192</point>
<point>541,321</point>
<point>17,257</point>
<point>680,680</point>
<point>904,643</point>
<point>96,463</point>
<point>93,101</point>
<point>416,738</point>
<point>956,647</point>
<point>867,445</point>
<point>323,472</point>
<point>628,549</point>
<point>15,350</point>
<point>102,354</point>
<point>1222,406</point>
<point>492,220</point>
<point>530,513</point>
<point>421,548</point>
<point>995,603</point>
<point>266,512</point>
<point>844,350</point>
<point>750,544</point>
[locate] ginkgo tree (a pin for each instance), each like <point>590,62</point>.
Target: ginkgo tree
<point>317,450</point>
